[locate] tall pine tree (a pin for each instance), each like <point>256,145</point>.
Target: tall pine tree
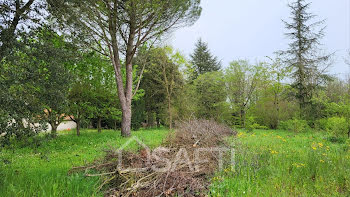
<point>203,61</point>
<point>304,55</point>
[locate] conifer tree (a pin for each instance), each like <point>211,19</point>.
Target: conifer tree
<point>304,55</point>
<point>203,61</point>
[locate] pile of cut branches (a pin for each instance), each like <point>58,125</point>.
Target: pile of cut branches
<point>182,167</point>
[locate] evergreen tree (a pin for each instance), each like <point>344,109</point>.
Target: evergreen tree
<point>203,61</point>
<point>303,54</point>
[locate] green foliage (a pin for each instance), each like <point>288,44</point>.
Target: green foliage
<point>210,95</point>
<point>162,81</point>
<point>295,125</point>
<point>203,61</point>
<point>335,126</point>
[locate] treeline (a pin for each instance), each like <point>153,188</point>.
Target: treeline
<point>243,95</point>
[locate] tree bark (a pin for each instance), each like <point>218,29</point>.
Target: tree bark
<point>53,129</point>
<point>170,114</point>
<point>158,120</point>
<point>126,122</point>
<point>78,127</point>
<point>99,124</point>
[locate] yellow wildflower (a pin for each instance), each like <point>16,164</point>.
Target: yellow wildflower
<point>274,152</point>
<point>322,161</point>
<point>320,144</point>
<point>314,148</point>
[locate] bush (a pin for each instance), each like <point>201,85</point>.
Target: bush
<point>251,124</point>
<point>294,125</point>
<point>335,126</point>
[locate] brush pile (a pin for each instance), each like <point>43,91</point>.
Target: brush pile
<point>182,167</point>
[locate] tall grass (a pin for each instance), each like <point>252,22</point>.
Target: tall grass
<point>43,171</point>
<point>279,163</point>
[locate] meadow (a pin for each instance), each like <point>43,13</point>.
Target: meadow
<point>268,163</point>
<point>280,163</point>
<point>43,170</point>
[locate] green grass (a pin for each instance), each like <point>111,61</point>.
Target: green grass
<point>279,163</point>
<point>43,171</point>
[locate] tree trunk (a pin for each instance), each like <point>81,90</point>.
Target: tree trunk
<point>99,124</point>
<point>53,129</point>
<point>158,120</point>
<point>170,114</point>
<point>150,119</point>
<point>78,127</point>
<point>243,118</point>
<point>126,122</point>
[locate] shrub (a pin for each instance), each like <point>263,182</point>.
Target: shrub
<point>335,126</point>
<point>251,124</point>
<point>294,125</point>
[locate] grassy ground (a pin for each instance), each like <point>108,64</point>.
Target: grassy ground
<point>43,171</point>
<point>268,163</point>
<point>278,163</point>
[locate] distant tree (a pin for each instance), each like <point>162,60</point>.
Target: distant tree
<point>80,102</point>
<point>242,82</point>
<point>162,80</point>
<point>273,103</point>
<point>303,55</point>
<point>118,28</point>
<point>210,95</point>
<point>203,61</point>
<point>96,73</point>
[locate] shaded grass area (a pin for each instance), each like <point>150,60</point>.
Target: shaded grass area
<point>43,171</point>
<point>279,163</point>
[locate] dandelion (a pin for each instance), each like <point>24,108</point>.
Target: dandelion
<point>298,165</point>
<point>314,148</point>
<point>240,134</point>
<point>274,152</point>
<point>320,144</point>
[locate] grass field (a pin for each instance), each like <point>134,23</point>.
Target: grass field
<point>43,171</point>
<point>268,163</point>
<point>279,163</point>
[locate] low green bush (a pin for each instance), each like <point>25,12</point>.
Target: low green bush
<point>294,125</point>
<point>335,126</point>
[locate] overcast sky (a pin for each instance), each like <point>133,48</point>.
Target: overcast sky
<point>252,29</point>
